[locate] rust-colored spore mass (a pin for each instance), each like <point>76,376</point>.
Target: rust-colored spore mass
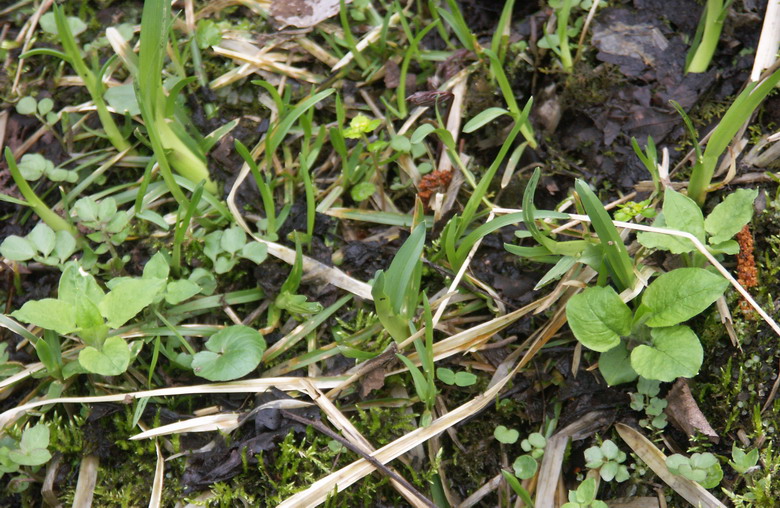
<point>436,181</point>
<point>747,274</point>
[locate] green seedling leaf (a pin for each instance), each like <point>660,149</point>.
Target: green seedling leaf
<point>675,352</point>
<point>399,275</point>
<point>233,352</point>
<point>26,106</point>
<point>517,487</point>
<point>128,298</point>
<point>254,251</point>
<point>421,385</point>
<point>537,440</point>
<point>32,447</point>
<point>681,294</point>
<point>445,375</point>
<point>233,239</point>
<point>45,106</point>
<point>43,238</point>
<point>157,267</point>
<point>76,284</point>
<point>50,314</point>
<point>111,359</point>
<point>421,132</point>
<point>122,99</point>
<point>16,248</point>
<point>484,118</point>
<point>465,379</point>
<point>207,34</point>
<point>615,366</point>
<point>362,191</point>
<point>743,462</point>
<point>731,215</point>
<point>525,467</point>
<point>49,24</point>
<point>505,435</point>
<point>401,143</point>
<point>682,213</point>
<point>86,209</point>
<point>33,166</point>
<point>598,318</point>
<point>180,290</point>
<point>296,304</point>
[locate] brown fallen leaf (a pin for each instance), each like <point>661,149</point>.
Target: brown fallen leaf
<point>684,413</point>
<point>304,13</point>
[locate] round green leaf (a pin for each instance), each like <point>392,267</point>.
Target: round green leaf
<point>45,106</point>
<point>525,467</point>
<point>615,366</point>
<point>122,99</point>
<point>110,360</point>
<point>254,251</point>
<point>400,143</point>
<point>465,378</point>
<point>598,318</point>
<point>26,106</point>
<point>32,166</point>
<point>232,353</point>
<point>676,352</point>
<point>505,435</point>
<point>445,375</point>
<point>17,248</point>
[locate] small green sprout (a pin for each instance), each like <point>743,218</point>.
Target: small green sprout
<point>42,244</point>
<point>34,165</point>
<point>585,496</point>
<point>743,463</point>
<point>702,468</point>
<point>40,109</point>
<point>30,450</point>
<point>360,126</point>
<point>225,247</point>
<point>534,445</point>
<point>707,34</point>
<point>631,209</point>
<point>645,400</point>
<point>608,459</point>
<point>109,225</point>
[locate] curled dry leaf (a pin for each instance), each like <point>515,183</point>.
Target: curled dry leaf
<point>685,413</point>
<point>304,13</point>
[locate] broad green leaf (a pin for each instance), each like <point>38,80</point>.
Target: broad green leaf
<point>676,352</point>
<point>76,284</point>
<point>598,318</point>
<point>681,294</point>
<point>179,290</point>
<point>421,132</point>
<point>483,118</point>
<point>106,209</point>
<point>615,366</point>
<point>731,215</point>
<point>32,166</point>
<point>233,239</point>
<point>362,191</point>
<point>43,238</point>
<point>16,248</point>
<point>50,314</point>
<point>86,209</point>
<point>463,379</point>
<point>122,99</point>
<point>674,244</point>
<point>682,213</point>
<point>525,467</point>
<point>45,106</point>
<point>730,247</point>
<point>110,360</point>
<point>32,447</point>
<point>254,251</point>
<point>233,352</point>
<point>157,267</point>
<point>445,375</point>
<point>224,264</point>
<point>128,298</point>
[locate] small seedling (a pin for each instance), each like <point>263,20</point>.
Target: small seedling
<point>30,450</point>
<point>534,444</point>
<point>109,225</point>
<point>584,496</point>
<point>645,400</point>
<point>743,463</point>
<point>233,352</point>
<point>450,377</point>
<point>41,109</point>
<point>702,468</point>
<point>505,435</point>
<point>226,247</point>
<point>627,211</point>
<point>33,166</point>
<point>707,34</point>
<point>42,244</point>
<point>608,459</point>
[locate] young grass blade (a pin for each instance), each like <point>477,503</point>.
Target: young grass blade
<point>458,25</point>
<point>399,275</point>
<point>529,213</point>
<point>266,193</point>
<point>501,36</point>
<point>618,260</point>
<point>707,34</point>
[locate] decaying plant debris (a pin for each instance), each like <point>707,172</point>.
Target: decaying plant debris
<point>442,253</point>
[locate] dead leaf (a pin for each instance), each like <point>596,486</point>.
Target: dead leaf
<point>685,413</point>
<point>304,13</point>
<point>374,380</point>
